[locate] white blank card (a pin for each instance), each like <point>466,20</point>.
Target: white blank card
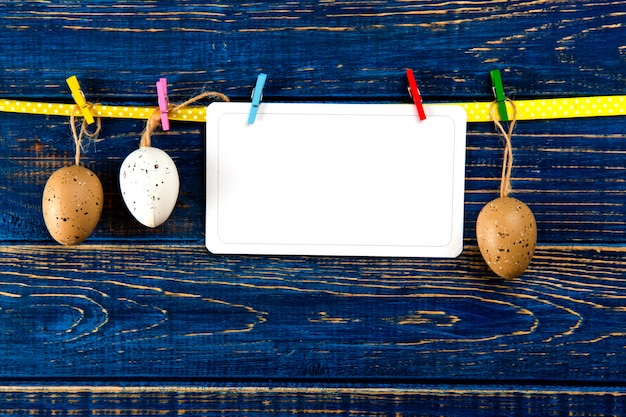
<point>335,179</point>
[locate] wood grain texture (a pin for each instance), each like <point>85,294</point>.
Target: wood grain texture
<point>141,321</point>
<point>322,400</point>
<point>315,50</point>
<point>177,312</point>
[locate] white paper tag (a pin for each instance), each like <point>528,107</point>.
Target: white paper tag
<point>335,179</point>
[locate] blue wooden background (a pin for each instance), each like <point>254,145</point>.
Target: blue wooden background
<point>139,320</point>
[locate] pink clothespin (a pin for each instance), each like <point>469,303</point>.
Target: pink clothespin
<point>161,86</point>
<point>414,92</point>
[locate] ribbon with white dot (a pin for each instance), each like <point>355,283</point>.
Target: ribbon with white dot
<point>536,109</point>
<point>188,114</point>
<point>558,108</point>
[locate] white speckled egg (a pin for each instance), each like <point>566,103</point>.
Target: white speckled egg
<point>149,184</point>
<point>72,204</point>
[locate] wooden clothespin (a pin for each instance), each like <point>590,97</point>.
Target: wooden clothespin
<point>161,86</point>
<point>414,92</point>
<point>498,92</point>
<point>257,95</point>
<point>79,98</point>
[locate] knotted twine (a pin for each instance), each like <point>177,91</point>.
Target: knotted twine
<point>507,161</point>
<point>78,136</point>
<point>154,120</point>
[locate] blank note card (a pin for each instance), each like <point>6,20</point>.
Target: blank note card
<point>335,179</point>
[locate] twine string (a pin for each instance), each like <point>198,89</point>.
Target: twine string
<point>154,121</point>
<point>78,135</point>
<point>507,162</point>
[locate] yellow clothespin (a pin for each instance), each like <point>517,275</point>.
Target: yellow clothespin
<point>79,98</point>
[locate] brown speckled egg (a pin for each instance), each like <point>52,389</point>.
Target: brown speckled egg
<point>507,235</point>
<point>72,204</point>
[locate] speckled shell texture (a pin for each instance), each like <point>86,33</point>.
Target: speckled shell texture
<point>507,235</point>
<point>72,204</point>
<point>149,184</point>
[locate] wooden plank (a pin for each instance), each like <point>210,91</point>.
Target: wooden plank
<point>287,400</point>
<point>178,312</point>
<point>121,325</point>
<point>356,49</point>
<point>568,171</point>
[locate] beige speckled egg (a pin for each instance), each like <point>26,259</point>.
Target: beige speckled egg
<point>507,235</point>
<point>72,204</point>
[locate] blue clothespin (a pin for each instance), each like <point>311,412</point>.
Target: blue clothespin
<point>257,95</point>
<point>498,92</point>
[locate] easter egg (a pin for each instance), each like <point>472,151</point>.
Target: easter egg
<point>507,235</point>
<point>149,185</point>
<point>72,204</point>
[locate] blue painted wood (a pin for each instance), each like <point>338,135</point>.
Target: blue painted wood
<point>356,49</point>
<point>320,400</point>
<point>568,171</point>
<point>176,312</point>
<point>137,307</point>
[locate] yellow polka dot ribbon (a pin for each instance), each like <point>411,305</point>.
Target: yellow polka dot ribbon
<point>558,108</point>
<point>189,114</point>
<point>536,109</point>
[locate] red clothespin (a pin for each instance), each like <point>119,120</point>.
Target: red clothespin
<point>414,92</point>
<point>161,86</point>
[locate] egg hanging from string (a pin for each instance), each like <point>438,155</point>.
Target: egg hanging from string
<point>73,197</point>
<point>148,178</point>
<point>506,229</point>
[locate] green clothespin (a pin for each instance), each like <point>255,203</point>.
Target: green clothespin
<point>498,92</point>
